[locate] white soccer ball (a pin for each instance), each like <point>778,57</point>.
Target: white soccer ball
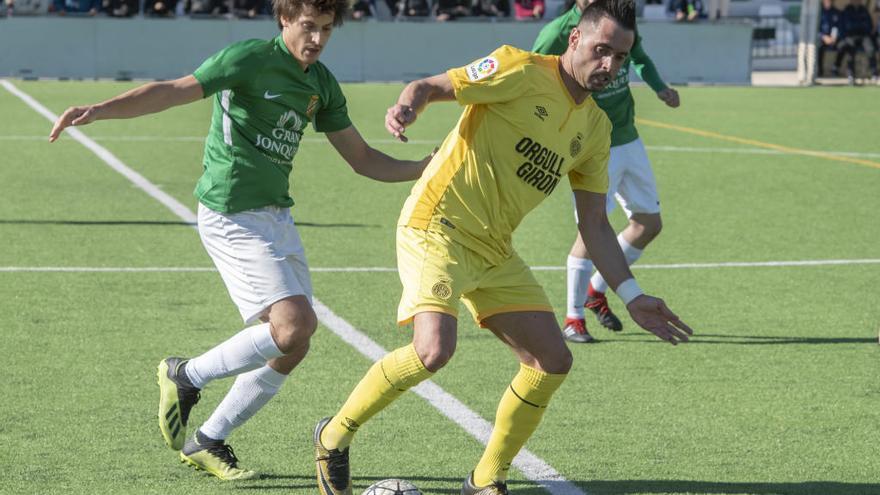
<point>392,487</point>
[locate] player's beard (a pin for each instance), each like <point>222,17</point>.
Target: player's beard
<point>598,81</point>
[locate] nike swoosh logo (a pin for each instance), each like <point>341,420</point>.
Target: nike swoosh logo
<point>270,96</point>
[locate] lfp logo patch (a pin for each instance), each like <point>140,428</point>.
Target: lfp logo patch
<point>482,69</point>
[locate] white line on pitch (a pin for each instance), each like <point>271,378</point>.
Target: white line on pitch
<point>115,163</point>
<point>531,466</point>
<point>383,269</point>
<point>672,149</point>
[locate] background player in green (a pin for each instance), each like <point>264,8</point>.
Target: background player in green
<point>265,93</point>
<point>630,179</point>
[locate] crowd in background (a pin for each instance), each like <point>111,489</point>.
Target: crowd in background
<point>150,8</point>
<point>434,10</point>
<point>846,32</point>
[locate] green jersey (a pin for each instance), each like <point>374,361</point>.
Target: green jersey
<point>616,99</point>
<point>263,100</point>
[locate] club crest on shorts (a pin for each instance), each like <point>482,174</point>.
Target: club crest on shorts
<point>575,146</point>
<point>482,69</point>
<point>441,290</point>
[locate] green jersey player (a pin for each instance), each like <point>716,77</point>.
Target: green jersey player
<point>264,94</point>
<point>630,179</point>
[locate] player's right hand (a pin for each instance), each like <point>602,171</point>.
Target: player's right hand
<point>397,118</point>
<point>73,116</point>
<point>653,315</point>
<point>670,97</point>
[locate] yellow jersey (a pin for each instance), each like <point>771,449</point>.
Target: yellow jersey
<point>520,133</point>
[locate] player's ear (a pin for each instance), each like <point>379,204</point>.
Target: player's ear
<point>574,38</point>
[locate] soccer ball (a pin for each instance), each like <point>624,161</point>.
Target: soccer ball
<point>392,487</point>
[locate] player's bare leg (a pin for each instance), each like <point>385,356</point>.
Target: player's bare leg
<point>643,228</point>
<point>292,322</point>
<point>545,360</point>
<point>434,341</point>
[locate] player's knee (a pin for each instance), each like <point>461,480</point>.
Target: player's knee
<point>292,331</point>
<point>647,227</point>
<point>435,357</point>
<point>286,364</point>
<point>560,363</point>
<point>654,227</point>
<point>557,363</point>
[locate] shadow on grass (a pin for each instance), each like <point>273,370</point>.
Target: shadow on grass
<point>143,223</point>
<point>172,223</point>
<point>599,487</point>
<point>627,487</point>
<point>705,338</point>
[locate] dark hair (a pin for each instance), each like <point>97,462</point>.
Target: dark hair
<point>291,9</point>
<point>622,12</point>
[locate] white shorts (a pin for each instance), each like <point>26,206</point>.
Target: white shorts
<point>631,181</point>
<point>259,254</point>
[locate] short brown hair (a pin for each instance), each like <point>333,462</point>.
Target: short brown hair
<point>291,9</point>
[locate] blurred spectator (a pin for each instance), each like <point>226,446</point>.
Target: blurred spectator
<point>525,10</point>
<point>120,8</point>
<point>160,8</point>
<point>413,8</point>
<point>686,10</point>
<point>857,34</point>
<point>716,9</point>
<point>10,7</point>
<point>80,7</point>
<point>491,8</point>
<point>205,7</point>
<point>363,9</point>
<point>829,31</point>
<point>250,9</point>
<point>449,10</point>
<point>875,16</point>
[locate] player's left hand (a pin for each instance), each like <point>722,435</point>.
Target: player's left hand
<point>397,118</point>
<point>653,315</point>
<point>669,96</point>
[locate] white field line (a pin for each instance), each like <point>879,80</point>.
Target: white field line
<point>115,163</point>
<point>672,149</point>
<point>386,269</point>
<point>531,466</point>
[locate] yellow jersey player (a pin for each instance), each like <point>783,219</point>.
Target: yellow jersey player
<point>528,123</point>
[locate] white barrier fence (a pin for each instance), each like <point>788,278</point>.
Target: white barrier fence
<point>85,48</point>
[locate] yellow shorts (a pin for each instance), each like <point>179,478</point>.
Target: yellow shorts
<point>436,271</point>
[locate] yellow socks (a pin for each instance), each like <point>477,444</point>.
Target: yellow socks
<point>519,413</point>
<point>384,382</point>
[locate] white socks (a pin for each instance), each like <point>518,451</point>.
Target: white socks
<point>579,270</point>
<point>247,350</point>
<point>250,392</point>
<point>631,254</point>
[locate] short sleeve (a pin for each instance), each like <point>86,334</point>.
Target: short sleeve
<point>499,77</point>
<point>229,67</point>
<point>333,116</point>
